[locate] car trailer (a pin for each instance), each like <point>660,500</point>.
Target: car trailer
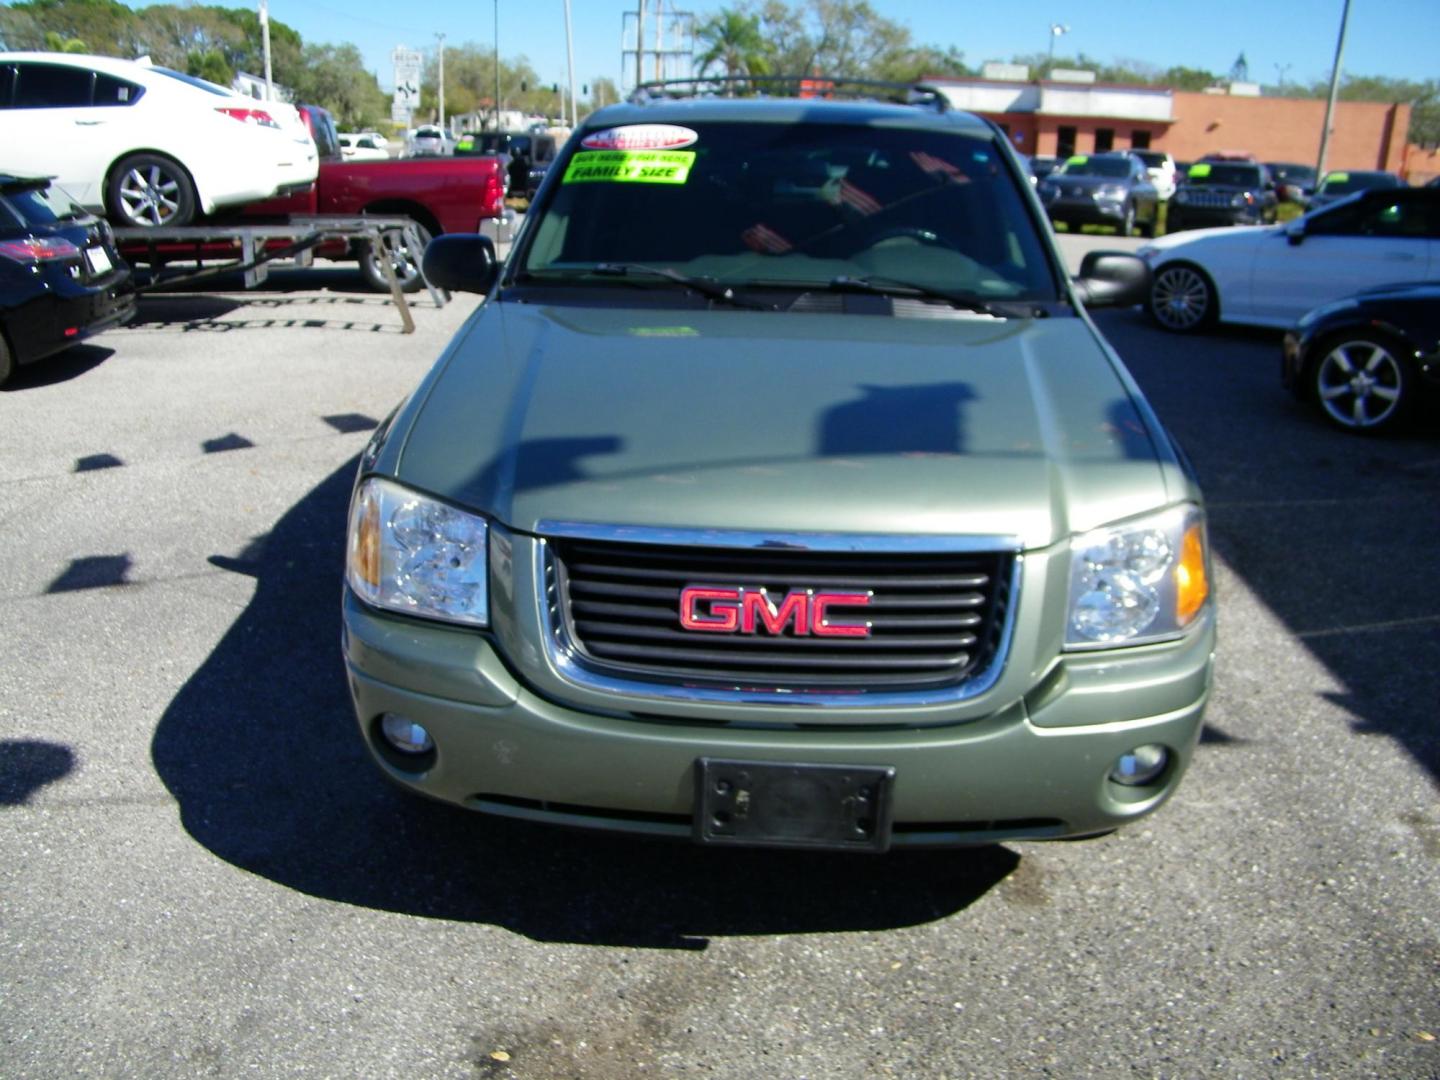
<point>303,233</point>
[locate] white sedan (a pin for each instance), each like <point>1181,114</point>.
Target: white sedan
<point>1271,275</point>
<point>360,148</point>
<point>146,145</point>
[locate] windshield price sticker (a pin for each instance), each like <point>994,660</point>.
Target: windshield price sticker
<point>630,166</point>
<point>1199,172</point>
<point>1078,159</point>
<point>641,137</point>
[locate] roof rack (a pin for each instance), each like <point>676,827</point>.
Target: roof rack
<point>826,87</point>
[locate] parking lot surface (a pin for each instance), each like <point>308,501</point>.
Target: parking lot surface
<point>202,874</point>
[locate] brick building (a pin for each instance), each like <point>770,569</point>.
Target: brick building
<point>1064,117</point>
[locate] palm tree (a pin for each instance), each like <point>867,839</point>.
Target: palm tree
<point>732,41</point>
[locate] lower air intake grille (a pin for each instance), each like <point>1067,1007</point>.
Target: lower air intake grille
<point>931,620</point>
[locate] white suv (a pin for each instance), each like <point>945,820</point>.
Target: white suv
<point>1161,167</point>
<point>146,145</point>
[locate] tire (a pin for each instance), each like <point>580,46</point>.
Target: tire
<point>1127,223</point>
<point>147,191</point>
<point>1182,299</point>
<point>1362,382</point>
<point>7,361</point>
<point>405,262</point>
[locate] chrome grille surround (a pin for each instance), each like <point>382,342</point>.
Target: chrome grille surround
<point>570,660</point>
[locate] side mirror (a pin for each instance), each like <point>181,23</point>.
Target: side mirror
<point>1295,232</point>
<point>1112,279</point>
<point>461,262</point>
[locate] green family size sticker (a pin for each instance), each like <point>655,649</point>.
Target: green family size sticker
<point>630,167</point>
<point>1199,172</point>
<point>1077,159</point>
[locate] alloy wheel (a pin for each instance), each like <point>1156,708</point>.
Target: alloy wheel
<point>1180,298</point>
<point>1360,384</point>
<point>149,195</point>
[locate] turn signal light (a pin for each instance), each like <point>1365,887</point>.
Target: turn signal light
<point>1192,588</point>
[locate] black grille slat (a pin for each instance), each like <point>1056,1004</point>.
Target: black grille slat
<point>935,619</point>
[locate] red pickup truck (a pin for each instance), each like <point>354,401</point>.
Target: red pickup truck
<point>441,195</point>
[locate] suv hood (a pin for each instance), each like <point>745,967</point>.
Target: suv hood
<point>782,422</point>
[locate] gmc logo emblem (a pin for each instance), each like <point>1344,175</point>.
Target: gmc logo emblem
<point>725,609</point>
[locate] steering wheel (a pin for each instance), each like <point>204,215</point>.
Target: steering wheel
<point>915,232</point>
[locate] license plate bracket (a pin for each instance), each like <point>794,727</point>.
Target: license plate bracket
<point>790,805</point>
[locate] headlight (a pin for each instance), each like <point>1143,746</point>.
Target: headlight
<point>1141,581</point>
<point>1182,196</point>
<point>1237,200</point>
<point>1113,192</point>
<point>411,553</point>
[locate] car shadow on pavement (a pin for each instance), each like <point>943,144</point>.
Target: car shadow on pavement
<point>1335,533</point>
<point>261,751</point>
<point>62,367</point>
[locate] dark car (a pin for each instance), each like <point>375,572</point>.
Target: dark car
<point>1223,193</point>
<point>1102,189</point>
<point>1337,185</point>
<point>1369,360</point>
<point>530,155</point>
<point>61,279</point>
<point>1042,165</point>
<point>1293,182</point>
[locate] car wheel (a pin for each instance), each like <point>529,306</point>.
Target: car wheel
<point>1362,383</point>
<point>1127,223</point>
<point>7,361</point>
<point>1182,299</point>
<point>405,262</point>
<point>147,190</point>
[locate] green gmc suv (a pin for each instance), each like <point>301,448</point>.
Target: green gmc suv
<point>782,492</point>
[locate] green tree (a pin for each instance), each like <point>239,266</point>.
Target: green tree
<point>211,65</point>
<point>334,76</point>
<point>732,42</point>
<point>56,42</point>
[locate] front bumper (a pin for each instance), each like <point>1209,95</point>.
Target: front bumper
<point>1180,217</point>
<point>1035,766</point>
<point>1086,210</point>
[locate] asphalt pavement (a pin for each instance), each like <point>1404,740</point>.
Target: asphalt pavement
<point>201,874</point>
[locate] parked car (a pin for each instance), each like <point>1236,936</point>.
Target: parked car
<point>428,141</point>
<point>377,138</point>
<point>1102,189</point>
<point>1272,276</point>
<point>1293,183</point>
<point>1338,185</point>
<point>1042,165</point>
<point>441,194</point>
<point>146,145</point>
<point>1161,167</point>
<point>1368,361</point>
<point>1244,156</point>
<point>530,155</point>
<point>61,279</point>
<point>1222,193</point>
<point>954,591</point>
<point>355,147</point>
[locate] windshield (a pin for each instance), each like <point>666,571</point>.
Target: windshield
<point>1222,175</point>
<point>1095,166</point>
<point>1295,174</point>
<point>796,204</point>
<point>1338,183</point>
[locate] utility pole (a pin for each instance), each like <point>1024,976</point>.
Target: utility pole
<point>441,38</point>
<point>1055,31</point>
<point>1280,70</point>
<point>265,47</point>
<point>1334,93</point>
<point>640,45</point>
<point>497,65</point>
<point>570,60</point>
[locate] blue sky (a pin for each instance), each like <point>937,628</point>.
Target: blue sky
<point>1399,38</point>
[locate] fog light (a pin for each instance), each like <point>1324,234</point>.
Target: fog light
<point>405,734</point>
<point>1140,766</point>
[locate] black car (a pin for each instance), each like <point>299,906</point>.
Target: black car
<point>1223,193</point>
<point>1369,360</point>
<point>1102,189</point>
<point>61,279</point>
<point>1293,182</point>
<point>530,155</point>
<point>1337,185</point>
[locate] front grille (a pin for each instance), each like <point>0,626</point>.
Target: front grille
<point>936,619</point>
<point>1208,200</point>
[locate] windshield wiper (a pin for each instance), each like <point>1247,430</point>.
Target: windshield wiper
<point>884,286</point>
<point>707,287</point>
